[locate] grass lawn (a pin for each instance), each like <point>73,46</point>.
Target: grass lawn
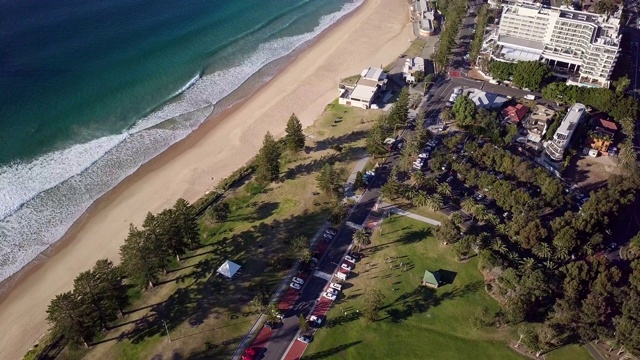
<point>415,322</point>
<point>202,309</point>
<point>437,215</point>
<point>569,352</point>
<point>416,48</point>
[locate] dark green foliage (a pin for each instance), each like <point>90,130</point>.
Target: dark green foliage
<point>358,183</point>
<point>481,24</point>
<point>268,160</point>
<point>373,300</point>
<point>448,232</point>
<point>454,11</point>
<point>219,212</point>
<point>72,318</point>
<point>294,139</point>
<point>501,71</point>
<point>377,134</point>
<point>100,290</point>
<point>300,248</point>
<point>400,111</point>
<point>338,213</point>
<point>143,257</point>
<point>464,111</point>
<point>329,180</point>
<point>530,74</point>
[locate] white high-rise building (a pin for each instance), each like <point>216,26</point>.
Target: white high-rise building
<point>581,46</point>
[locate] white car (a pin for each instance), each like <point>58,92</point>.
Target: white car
<point>298,280</point>
<point>346,267</point>
<point>332,291</point>
<point>329,296</point>
<point>315,320</point>
<point>350,259</point>
<point>328,236</point>
<point>304,338</point>
<point>424,155</point>
<point>295,285</point>
<point>331,232</point>
<point>335,286</point>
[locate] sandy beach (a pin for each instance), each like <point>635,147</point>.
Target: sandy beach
<point>374,34</point>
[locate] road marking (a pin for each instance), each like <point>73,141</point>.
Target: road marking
<point>353,225</point>
<point>322,275</point>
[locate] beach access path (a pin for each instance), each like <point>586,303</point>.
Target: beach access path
<point>373,34</point>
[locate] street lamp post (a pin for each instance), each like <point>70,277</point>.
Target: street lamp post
<point>167,329</point>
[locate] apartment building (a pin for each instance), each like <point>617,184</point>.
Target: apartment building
<point>556,147</point>
<point>581,46</point>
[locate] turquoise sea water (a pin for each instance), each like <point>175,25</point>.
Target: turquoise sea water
<point>91,90</point>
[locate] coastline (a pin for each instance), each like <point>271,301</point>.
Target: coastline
<point>224,142</point>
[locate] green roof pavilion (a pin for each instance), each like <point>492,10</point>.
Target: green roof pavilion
<point>431,279</point>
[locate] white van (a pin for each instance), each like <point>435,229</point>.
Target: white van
<point>341,276</point>
<point>530,97</point>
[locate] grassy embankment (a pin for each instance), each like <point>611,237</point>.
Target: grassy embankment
<point>206,315</point>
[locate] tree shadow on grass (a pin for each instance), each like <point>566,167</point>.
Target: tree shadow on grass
<point>330,353</point>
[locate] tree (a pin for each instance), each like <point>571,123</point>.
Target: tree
<point>501,71</point>
<point>300,248</point>
<point>479,212</point>
<point>268,160</point>
<point>418,179</point>
<point>361,239</point>
<point>623,82</point>
<point>294,139</point>
<point>219,212</point>
<point>142,257</point>
<point>543,251</point>
<point>373,300</point>
<point>165,230</point>
<point>400,111</point>
<point>338,213</point>
<point>187,222</point>
<point>464,111</point>
<point>435,202</point>
<point>444,189</point>
<point>70,318</point>
<point>532,234</point>
<point>304,326</point>
<point>376,136</point>
<point>605,7</point>
<point>421,199</point>
<point>446,115</point>
<point>90,291</point>
<point>628,154</point>
<point>358,183</point>
<point>328,180</point>
<point>467,205</point>
<point>448,232</point>
<point>110,281</point>
<point>530,74</point>
<point>462,248</point>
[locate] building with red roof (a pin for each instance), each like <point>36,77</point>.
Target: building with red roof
<point>514,114</point>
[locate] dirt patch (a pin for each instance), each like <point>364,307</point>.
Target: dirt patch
<point>590,173</point>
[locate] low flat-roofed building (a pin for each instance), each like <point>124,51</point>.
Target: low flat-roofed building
<point>487,100</point>
<point>365,90</point>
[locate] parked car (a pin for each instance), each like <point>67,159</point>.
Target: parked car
<point>346,266</point>
<point>298,280</point>
<point>479,197</point>
<point>328,236</point>
<point>449,179</point>
<point>335,286</point>
<point>315,321</point>
<point>247,357</point>
<point>349,259</point>
<point>251,352</point>
<point>612,246</point>
<point>295,286</point>
<point>332,291</point>
<point>305,338</point>
<point>331,232</point>
<point>329,296</point>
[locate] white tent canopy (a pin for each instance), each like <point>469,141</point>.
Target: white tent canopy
<point>228,269</point>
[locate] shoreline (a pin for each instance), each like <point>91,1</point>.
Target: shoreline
<point>181,171</point>
<point>209,124</point>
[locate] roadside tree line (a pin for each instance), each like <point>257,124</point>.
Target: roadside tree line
<point>454,11</point>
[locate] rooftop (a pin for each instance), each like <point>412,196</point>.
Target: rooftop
<point>515,113</point>
<point>373,73</point>
<point>528,45</point>
<point>606,124</point>
<point>571,120</point>
<point>485,99</point>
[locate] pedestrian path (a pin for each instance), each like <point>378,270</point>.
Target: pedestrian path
<point>397,210</point>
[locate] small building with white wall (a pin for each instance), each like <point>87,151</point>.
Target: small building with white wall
<point>410,67</point>
<point>556,147</point>
<point>363,93</point>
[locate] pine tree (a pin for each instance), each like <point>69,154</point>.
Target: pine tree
<point>187,222</point>
<point>268,160</point>
<point>143,257</point>
<point>71,318</point>
<point>399,114</point>
<point>328,180</point>
<point>111,288</point>
<point>294,138</point>
<point>358,183</point>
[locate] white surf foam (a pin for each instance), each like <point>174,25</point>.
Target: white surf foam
<point>40,200</point>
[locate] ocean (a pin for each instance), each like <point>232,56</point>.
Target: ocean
<point>91,90</point>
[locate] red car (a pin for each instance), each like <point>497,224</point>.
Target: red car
<point>249,354</point>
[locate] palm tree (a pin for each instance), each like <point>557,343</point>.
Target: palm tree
<point>361,239</point>
<point>502,228</point>
<point>435,202</point>
<point>456,218</point>
<point>528,264</point>
<point>467,205</point>
<point>430,182</point>
<point>418,179</point>
<point>514,257</point>
<point>562,253</point>
<point>446,115</point>
<point>499,246</point>
<point>410,192</point>
<point>493,219</point>
<point>549,264</point>
<point>479,212</point>
<point>421,199</point>
<point>444,189</point>
<point>542,250</point>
